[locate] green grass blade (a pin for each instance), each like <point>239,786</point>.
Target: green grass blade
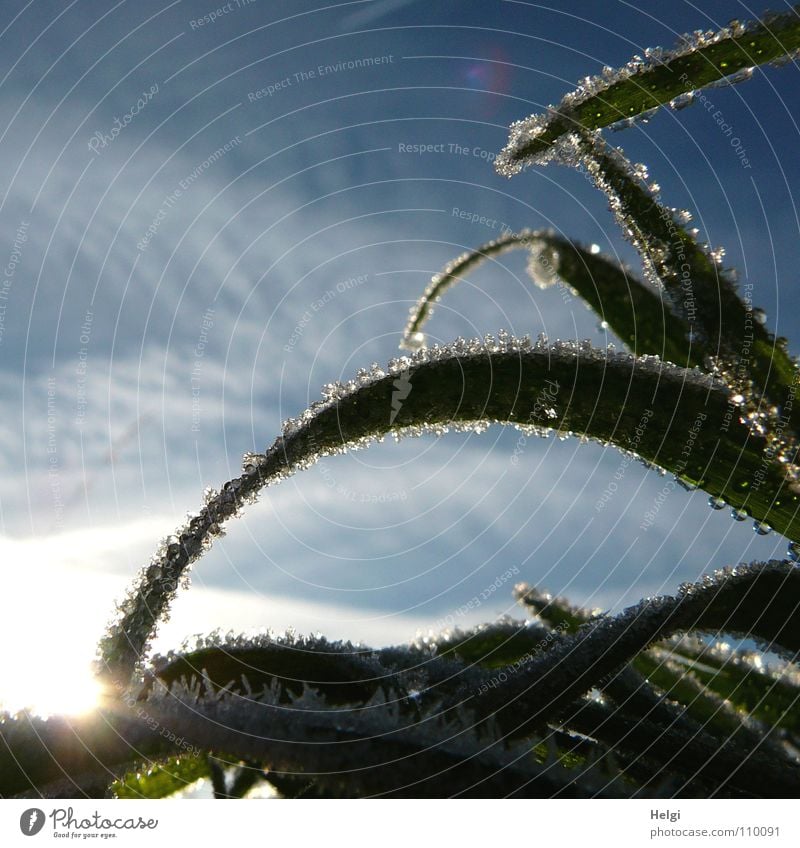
<point>769,697</point>
<point>161,780</point>
<point>413,338</point>
<point>648,83</point>
<point>557,612</point>
<point>711,700</point>
<point>382,749</point>
<point>569,387</point>
<point>632,310</point>
<point>60,756</point>
<point>341,673</point>
<point>695,763</point>
<point>757,601</point>
<point>668,675</point>
<point>721,319</point>
<point>495,645</point>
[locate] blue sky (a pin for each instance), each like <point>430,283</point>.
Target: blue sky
<point>135,244</point>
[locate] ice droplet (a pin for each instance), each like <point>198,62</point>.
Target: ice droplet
<point>761,528</point>
<point>251,461</point>
<point>683,100</point>
<point>741,75</point>
<point>716,503</point>
<point>415,341</point>
<point>739,514</point>
<point>543,265</point>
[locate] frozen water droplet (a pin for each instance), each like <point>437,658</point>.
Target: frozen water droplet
<point>741,75</point>
<point>332,392</point>
<point>250,463</point>
<point>172,547</point>
<point>415,341</point>
<point>543,265</point>
<point>761,528</point>
<point>716,503</point>
<point>739,514</point>
<point>683,100</point>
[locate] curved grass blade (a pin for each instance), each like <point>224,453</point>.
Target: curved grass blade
<point>633,311</point>
<point>710,712</point>
<point>378,750</point>
<point>493,645</point>
<point>756,367</point>
<point>341,673</point>
<point>642,686</point>
<point>769,697</point>
<point>702,765</point>
<point>341,678</point>
<point>375,750</point>
<point>645,84</point>
<point>569,386</point>
<point>757,601</point>
<point>413,338</point>
<point>725,689</point>
<point>59,757</point>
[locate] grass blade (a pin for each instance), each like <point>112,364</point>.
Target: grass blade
<point>570,387</point>
<point>633,311</point>
<point>756,601</point>
<point>644,84</point>
<point>161,780</point>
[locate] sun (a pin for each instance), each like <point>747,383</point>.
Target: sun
<point>69,690</point>
<point>52,614</point>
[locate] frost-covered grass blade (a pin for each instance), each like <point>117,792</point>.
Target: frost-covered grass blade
<point>636,313</point>
<point>596,394</point>
<point>660,77</point>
